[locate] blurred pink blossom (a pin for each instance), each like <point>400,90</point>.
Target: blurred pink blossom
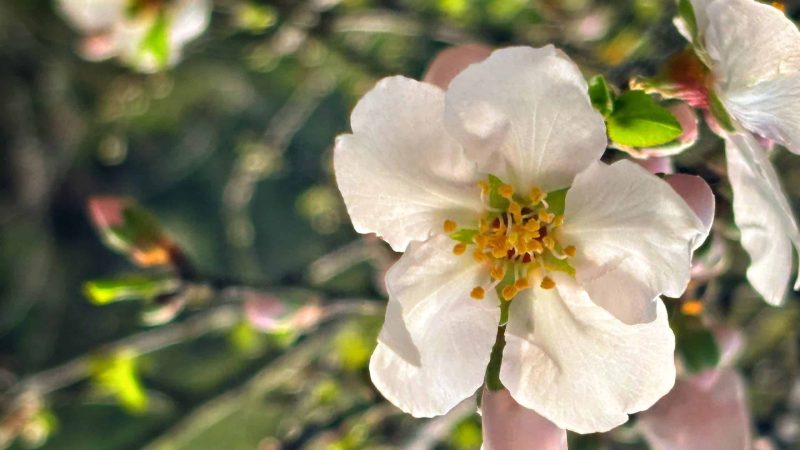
<point>509,426</point>
<point>451,61</point>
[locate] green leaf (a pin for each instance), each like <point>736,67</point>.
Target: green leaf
<point>686,11</point>
<point>556,201</point>
<point>156,42</point>
<point>638,121</point>
<point>698,349</point>
<point>601,95</point>
<point>718,111</point>
<point>118,375</point>
<point>464,235</point>
<point>103,292</point>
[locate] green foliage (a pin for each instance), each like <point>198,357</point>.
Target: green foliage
<point>686,11</point>
<point>155,44</point>
<point>698,349</point>
<point>118,375</point>
<point>466,435</point>
<point>601,95</point>
<point>353,348</point>
<point>103,292</point>
<point>638,121</point>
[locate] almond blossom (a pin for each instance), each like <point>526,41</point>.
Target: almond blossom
<point>495,193</point>
<point>747,74</point>
<point>148,36</point>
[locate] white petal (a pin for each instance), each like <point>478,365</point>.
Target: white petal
<point>524,114</point>
<point>507,425</point>
<point>749,42</point>
<point>634,237</point>
<point>189,19</point>
<point>767,225</point>
<point>400,173</point>
<point>575,364</point>
<point>452,333</point>
<point>91,16</point>
<point>692,416</point>
<point>770,109</point>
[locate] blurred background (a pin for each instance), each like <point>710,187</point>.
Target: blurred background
<point>229,147</point>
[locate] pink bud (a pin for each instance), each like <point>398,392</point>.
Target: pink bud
<point>507,425</point>
<point>450,62</point>
<point>106,212</point>
<point>698,416</point>
<point>263,311</point>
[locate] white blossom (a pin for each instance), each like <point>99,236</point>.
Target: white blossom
<point>468,184</point>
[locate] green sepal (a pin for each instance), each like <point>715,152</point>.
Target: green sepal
<point>495,199</point>
<point>556,201</point>
<point>560,265</point>
<point>686,12</point>
<point>105,291</point>
<point>464,235</point>
<point>601,95</point>
<point>638,121</point>
<point>717,110</point>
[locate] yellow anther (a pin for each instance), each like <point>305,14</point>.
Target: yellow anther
<point>449,226</point>
<point>536,195</point>
<point>498,273</point>
<point>516,211</point>
<point>477,293</point>
<point>512,239</point>
<point>779,6</point>
<point>522,283</point>
<point>505,190</point>
<point>549,242</point>
<point>692,307</point>
<point>485,187</point>
<point>558,221</point>
<point>546,217</point>
<point>536,246</point>
<point>460,248</point>
<point>509,292</point>
<point>569,250</point>
<point>499,252</point>
<point>547,283</point>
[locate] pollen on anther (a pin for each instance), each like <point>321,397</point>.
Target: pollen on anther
<point>536,195</point>
<point>449,226</point>
<point>498,273</point>
<point>477,293</point>
<point>505,190</point>
<point>569,250</point>
<point>509,292</point>
<point>479,256</point>
<point>547,283</point>
<point>459,248</point>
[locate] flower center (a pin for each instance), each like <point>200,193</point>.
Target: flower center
<point>516,238</point>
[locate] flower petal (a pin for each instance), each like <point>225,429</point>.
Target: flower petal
<point>452,333</point>
<point>749,42</point>
<point>451,61</point>
<point>695,417</point>
<point>524,114</point>
<point>575,364</point>
<point>509,426</point>
<point>634,237</point>
<point>92,16</point>
<point>770,109</point>
<point>763,215</point>
<point>189,19</point>
<point>400,173</point>
<point>697,194</point>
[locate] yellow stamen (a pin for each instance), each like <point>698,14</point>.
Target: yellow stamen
<point>505,190</point>
<point>692,307</point>
<point>522,283</point>
<point>460,248</point>
<point>547,283</point>
<point>549,242</point>
<point>569,250</point>
<point>559,220</point>
<point>516,210</point>
<point>509,292</point>
<point>477,293</point>
<point>498,273</point>
<point>479,256</point>
<point>536,195</point>
<point>449,226</point>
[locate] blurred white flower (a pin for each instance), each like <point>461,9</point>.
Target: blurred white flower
<point>470,184</point>
<point>752,54</point>
<point>148,36</point>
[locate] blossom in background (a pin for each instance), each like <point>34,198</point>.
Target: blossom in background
<point>495,192</point>
<point>747,75</point>
<point>705,411</point>
<point>148,36</point>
